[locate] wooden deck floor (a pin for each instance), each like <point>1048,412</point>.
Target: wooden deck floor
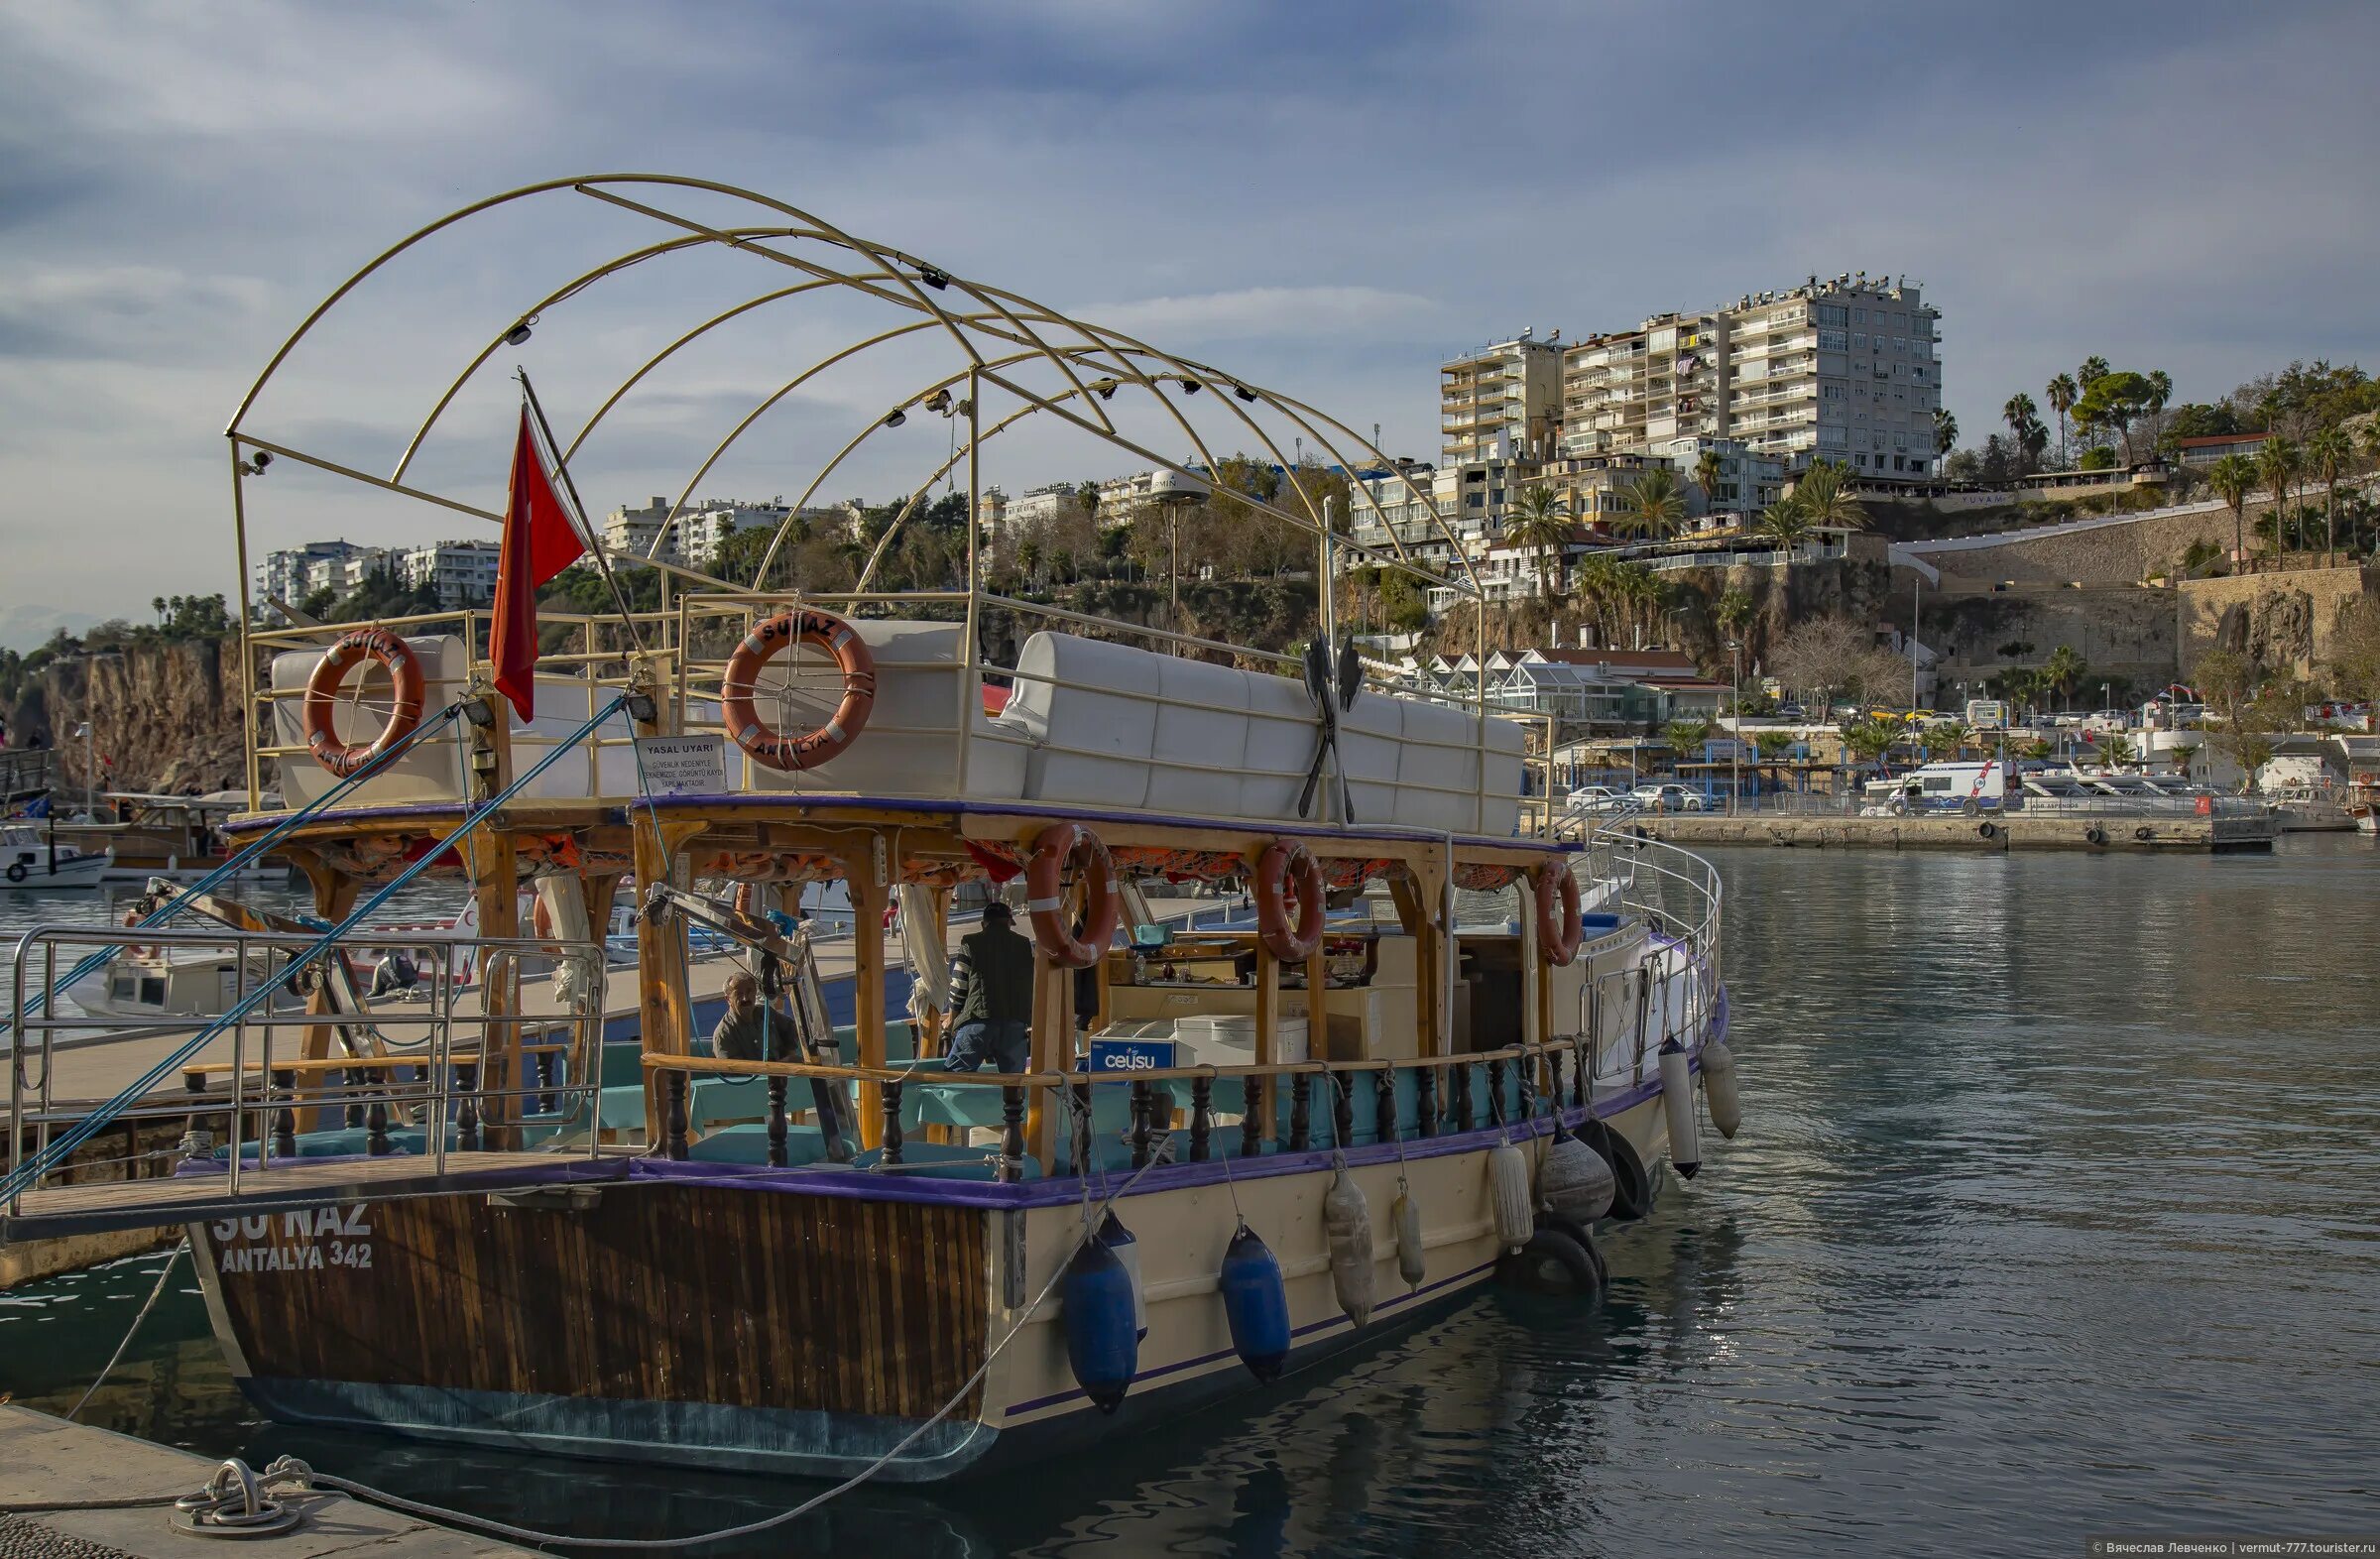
<point>132,1204</point>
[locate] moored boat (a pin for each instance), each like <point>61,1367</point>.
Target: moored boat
<point>1223,1154</point>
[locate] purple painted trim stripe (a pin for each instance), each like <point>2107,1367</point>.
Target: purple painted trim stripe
<point>1040,1402</point>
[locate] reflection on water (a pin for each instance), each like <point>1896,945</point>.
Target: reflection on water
<point>2055,1213</point>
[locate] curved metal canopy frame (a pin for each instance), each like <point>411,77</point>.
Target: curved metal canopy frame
<point>998,334</point>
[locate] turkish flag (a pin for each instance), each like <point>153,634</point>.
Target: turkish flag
<point>539,541</point>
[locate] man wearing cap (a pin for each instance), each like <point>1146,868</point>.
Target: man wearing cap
<point>992,997</point>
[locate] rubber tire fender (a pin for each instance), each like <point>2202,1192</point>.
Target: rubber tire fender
<point>1631,1185</point>
<point>1554,1262</point>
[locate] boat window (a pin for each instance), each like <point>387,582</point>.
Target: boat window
<point>153,991</point>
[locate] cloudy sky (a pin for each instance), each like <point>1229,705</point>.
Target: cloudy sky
<point>1327,196</point>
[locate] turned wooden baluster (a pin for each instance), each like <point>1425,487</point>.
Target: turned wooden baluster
<point>1581,1067</point>
<point>1301,1112</point>
<point>353,1082</point>
<point>376,1127</point>
<point>1202,1101</point>
<point>1464,1120</point>
<point>1012,1133</point>
<point>285,1122</point>
<point>1495,1093</point>
<point>776,1122</point>
<point>892,1141</point>
<point>1081,1141</point>
<point>1143,1111</point>
<point>1425,1101</point>
<point>1383,1104</point>
<point>197,1141</point>
<point>1553,1067</point>
<point>673,1114</point>
<point>1524,1086</point>
<point>548,1061</point>
<point>1251,1124</point>
<point>466,1106</point>
<point>1342,1109</point>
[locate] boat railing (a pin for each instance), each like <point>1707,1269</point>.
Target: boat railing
<point>425,1080</point>
<point>1200,1113</point>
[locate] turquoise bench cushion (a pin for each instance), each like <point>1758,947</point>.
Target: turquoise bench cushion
<point>749,1145</point>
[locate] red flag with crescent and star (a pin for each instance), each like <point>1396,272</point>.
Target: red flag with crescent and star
<point>539,541</point>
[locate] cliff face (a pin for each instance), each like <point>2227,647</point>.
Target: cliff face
<point>167,716</point>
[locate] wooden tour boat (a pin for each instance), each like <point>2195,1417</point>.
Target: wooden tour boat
<point>1441,1046</point>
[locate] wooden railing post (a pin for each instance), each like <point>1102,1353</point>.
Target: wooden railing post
<point>891,1133</point>
<point>673,1114</point>
<point>1495,1093</point>
<point>285,1118</point>
<point>1464,1120</point>
<point>1301,1122</point>
<point>1342,1109</point>
<point>1144,1109</point>
<point>1202,1101</point>
<point>1080,1145</point>
<point>1383,1105</point>
<point>1425,1101</point>
<point>466,1106</point>
<point>1256,1125</point>
<point>776,1122</point>
<point>1012,1133</point>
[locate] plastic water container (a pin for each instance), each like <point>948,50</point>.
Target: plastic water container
<point>1230,1039</point>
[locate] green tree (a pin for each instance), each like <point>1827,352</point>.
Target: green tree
<point>2116,748</point>
<point>2278,463</point>
<point>1653,506</point>
<point>2328,451</point>
<point>1950,737</point>
<point>1540,523</point>
<point>1686,736</point>
<point>2017,412</point>
<point>2183,754</point>
<point>1786,521</point>
<point>1946,431</point>
<point>1826,497</point>
<point>2062,670</point>
<point>1733,611</point>
<point>1708,472</point>
<point>2063,394</point>
<point>2115,400</point>
<point>2233,478</point>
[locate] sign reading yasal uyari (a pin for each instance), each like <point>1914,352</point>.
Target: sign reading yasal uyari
<point>683,764</point>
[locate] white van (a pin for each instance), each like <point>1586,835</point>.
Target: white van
<point>1972,788</point>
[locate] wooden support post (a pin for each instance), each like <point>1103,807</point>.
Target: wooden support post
<point>494,868</point>
<point>867,900</point>
<point>665,1017</point>
<point>1268,1023</point>
<point>335,900</point>
<point>1053,1052</point>
<point>1318,988</point>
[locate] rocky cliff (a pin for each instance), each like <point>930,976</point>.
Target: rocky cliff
<point>166,716</point>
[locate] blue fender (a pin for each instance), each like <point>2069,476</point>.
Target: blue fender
<point>1256,1301</point>
<point>1102,1343</point>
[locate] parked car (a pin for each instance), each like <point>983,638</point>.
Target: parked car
<point>1597,799</point>
<point>1666,797</point>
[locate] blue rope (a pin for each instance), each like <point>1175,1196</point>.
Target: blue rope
<point>32,1170</point>
<point>91,963</point>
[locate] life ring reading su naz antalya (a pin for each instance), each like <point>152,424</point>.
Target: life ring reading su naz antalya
<point>322,690</point>
<point>1059,848</point>
<point>789,753</point>
<point>1282,861</point>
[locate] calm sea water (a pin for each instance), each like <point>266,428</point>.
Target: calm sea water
<point>2056,1213</point>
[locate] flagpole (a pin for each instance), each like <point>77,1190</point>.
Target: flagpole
<point>586,525</point>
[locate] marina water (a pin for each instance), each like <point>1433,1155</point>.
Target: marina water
<point>2056,1213</point>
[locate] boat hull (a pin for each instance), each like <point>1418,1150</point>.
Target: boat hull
<point>782,1322</point>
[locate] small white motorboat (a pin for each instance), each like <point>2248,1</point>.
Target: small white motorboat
<point>32,861</point>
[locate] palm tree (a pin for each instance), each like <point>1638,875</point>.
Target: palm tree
<point>2328,451</point>
<point>2181,753</point>
<point>1595,581</point>
<point>2279,462</point>
<point>1540,523</point>
<point>1707,472</point>
<point>1946,430</point>
<point>1950,737</point>
<point>1826,499</point>
<point>2116,748</point>
<point>2062,393</point>
<point>1640,590</point>
<point>2093,367</point>
<point>1733,611</point>
<point>2017,411</point>
<point>2161,389</point>
<point>1786,521</point>
<point>1653,507</point>
<point>2234,477</point>
<point>1684,736</point>
<point>2063,670</point>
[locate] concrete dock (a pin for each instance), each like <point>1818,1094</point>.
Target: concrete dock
<point>2157,833</point>
<point>47,1463</point>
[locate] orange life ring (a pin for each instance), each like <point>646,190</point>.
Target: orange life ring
<point>132,917</point>
<point>1561,926</point>
<point>323,689</point>
<point>793,752</point>
<point>1062,847</point>
<point>1282,860</point>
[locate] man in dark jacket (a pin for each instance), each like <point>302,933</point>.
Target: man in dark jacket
<point>751,1029</point>
<point>992,997</point>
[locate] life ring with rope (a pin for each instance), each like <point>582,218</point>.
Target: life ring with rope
<point>1561,922</point>
<point>1059,849</point>
<point>133,917</point>
<point>790,753</point>
<point>1286,861</point>
<point>354,648</point>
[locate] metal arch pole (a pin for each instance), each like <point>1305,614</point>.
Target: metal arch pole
<point>970,664</point>
<point>239,526</point>
<point>282,451</point>
<point>570,289</point>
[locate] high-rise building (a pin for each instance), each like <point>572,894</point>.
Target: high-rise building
<point>1844,369</point>
<point>1503,402</point>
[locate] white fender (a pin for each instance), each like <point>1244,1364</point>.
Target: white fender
<point>1677,1100</point>
<point>1720,1088</point>
<point>1508,1188</point>
<point>1411,1263</point>
<point>1347,1223</point>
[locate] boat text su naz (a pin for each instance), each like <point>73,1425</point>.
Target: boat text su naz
<point>519,1212</point>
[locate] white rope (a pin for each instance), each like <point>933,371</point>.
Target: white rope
<point>292,1468</point>
<point>133,1330</point>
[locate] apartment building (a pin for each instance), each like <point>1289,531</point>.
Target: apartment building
<point>289,574</point>
<point>1841,368</point>
<point>701,530</point>
<point>1501,402</point>
<point>462,572</point>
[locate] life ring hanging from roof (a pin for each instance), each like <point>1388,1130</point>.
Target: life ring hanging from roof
<point>322,690</point>
<point>1059,848</point>
<point>1561,922</point>
<point>1284,861</point>
<point>790,753</point>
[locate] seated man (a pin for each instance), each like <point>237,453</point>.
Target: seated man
<point>395,973</point>
<point>739,1037</point>
<point>992,997</point>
